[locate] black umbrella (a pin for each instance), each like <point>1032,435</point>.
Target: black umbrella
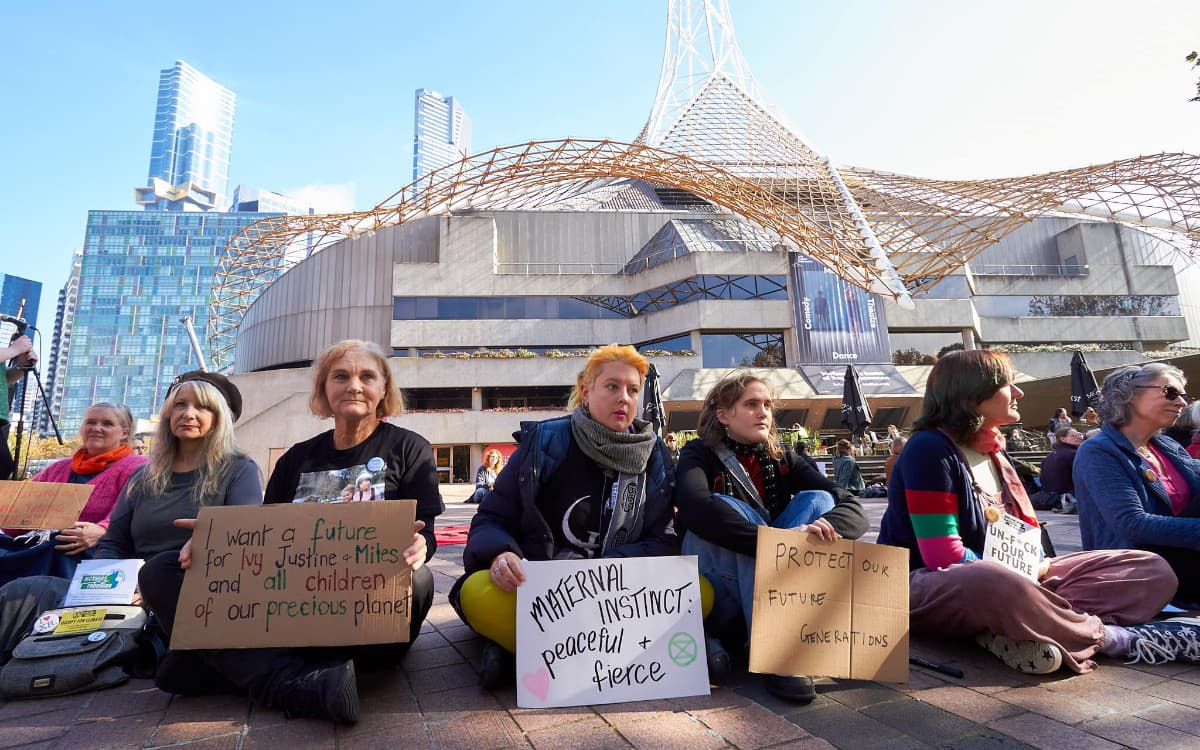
<point>856,415</point>
<point>1084,392</point>
<point>652,403</point>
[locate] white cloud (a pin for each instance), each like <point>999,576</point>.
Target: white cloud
<point>324,198</point>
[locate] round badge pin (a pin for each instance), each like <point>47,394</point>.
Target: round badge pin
<point>375,464</point>
<point>46,623</point>
<point>97,636</point>
<point>1151,476</point>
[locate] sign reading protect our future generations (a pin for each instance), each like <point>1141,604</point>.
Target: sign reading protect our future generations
<point>609,631</point>
<point>329,574</point>
<point>836,609</point>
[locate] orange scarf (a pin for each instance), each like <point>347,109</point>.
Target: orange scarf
<point>86,465</point>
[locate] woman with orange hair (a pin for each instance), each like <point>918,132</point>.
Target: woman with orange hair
<point>557,500</point>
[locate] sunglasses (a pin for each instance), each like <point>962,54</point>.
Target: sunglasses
<point>1169,392</point>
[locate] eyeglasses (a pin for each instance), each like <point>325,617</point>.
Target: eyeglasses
<point>1169,392</point>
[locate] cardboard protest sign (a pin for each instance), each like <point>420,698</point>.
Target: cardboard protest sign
<point>328,574</point>
<point>41,505</point>
<point>837,609</point>
<point>1013,543</point>
<point>609,631</point>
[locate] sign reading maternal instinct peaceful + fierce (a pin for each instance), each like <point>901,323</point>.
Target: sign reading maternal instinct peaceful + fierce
<point>609,631</point>
<point>310,574</point>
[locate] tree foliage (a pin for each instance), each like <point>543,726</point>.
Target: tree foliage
<point>911,357</point>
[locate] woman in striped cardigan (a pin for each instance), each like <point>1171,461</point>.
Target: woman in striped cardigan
<point>953,469</point>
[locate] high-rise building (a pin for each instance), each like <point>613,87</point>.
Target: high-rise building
<point>19,298</point>
<point>140,273</point>
<point>193,133</point>
<point>247,198</point>
<point>441,132</point>
<point>64,322</point>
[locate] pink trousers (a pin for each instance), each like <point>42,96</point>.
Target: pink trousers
<point>1080,593</point>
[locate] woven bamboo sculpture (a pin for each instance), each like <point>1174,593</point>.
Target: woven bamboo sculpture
<point>712,134</point>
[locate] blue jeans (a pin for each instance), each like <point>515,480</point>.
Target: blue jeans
<point>731,573</point>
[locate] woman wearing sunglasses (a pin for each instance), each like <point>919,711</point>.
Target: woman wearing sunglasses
<point>1138,489</point>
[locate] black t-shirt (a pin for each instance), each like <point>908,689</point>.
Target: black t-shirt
<point>573,503</point>
<point>392,464</point>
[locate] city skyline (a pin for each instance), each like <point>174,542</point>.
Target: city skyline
<point>917,89</point>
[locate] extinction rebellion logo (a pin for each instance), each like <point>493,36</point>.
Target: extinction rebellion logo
<point>105,581</point>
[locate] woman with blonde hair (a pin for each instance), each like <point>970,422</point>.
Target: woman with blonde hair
<point>556,500</point>
<point>106,462</point>
<point>485,478</point>
<point>738,477</point>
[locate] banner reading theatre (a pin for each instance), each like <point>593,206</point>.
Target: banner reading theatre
<point>608,631</point>
<point>835,609</point>
<point>297,575</point>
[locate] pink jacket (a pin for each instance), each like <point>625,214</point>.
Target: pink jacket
<point>108,484</point>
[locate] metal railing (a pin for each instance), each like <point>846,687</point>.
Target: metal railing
<point>1026,269</point>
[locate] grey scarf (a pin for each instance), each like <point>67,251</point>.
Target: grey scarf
<point>626,453</point>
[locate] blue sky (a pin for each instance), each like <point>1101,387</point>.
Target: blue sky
<point>325,90</point>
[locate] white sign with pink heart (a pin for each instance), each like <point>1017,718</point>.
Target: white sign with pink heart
<point>609,631</point>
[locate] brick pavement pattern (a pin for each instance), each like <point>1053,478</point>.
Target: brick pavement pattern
<point>434,702</point>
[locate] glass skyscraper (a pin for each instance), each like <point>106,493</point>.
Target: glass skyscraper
<point>19,298</point>
<point>140,273</point>
<point>441,132</point>
<point>193,134</point>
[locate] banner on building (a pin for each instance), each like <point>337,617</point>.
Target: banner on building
<point>836,322</point>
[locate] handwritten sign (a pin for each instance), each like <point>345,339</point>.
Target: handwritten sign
<point>835,609</point>
<point>297,575</point>
<point>41,505</point>
<point>608,631</point>
<point>1013,543</point>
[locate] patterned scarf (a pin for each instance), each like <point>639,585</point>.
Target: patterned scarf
<point>1016,502</point>
<point>86,465</point>
<point>763,471</point>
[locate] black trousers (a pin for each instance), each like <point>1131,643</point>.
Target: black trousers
<point>21,601</point>
<point>264,672</point>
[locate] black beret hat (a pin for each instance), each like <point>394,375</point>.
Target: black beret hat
<point>232,395</point>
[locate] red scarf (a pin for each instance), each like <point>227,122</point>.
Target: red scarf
<point>991,443</point>
<point>86,465</point>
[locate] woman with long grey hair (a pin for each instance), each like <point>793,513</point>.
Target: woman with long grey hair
<point>1136,487</point>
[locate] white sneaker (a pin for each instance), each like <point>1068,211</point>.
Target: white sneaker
<point>1030,657</point>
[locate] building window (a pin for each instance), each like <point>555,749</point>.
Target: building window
<point>751,349</point>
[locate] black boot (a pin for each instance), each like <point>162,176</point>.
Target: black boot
<point>324,692</point>
<point>496,666</point>
<point>718,659</point>
<point>797,689</point>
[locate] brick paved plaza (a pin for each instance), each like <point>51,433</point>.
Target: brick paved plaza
<point>435,703</point>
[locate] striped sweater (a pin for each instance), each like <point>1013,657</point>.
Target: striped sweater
<point>932,509</point>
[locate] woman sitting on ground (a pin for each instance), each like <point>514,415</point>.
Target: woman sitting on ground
<point>352,384</point>
<point>952,470</point>
<point>846,473</point>
<point>1136,487</point>
<point>106,462</point>
<point>554,500</point>
<point>485,478</point>
<point>194,464</point>
<point>735,478</point>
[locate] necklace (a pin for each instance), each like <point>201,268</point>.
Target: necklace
<point>1151,459</point>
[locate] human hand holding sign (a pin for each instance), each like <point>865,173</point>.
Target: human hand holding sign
<point>416,553</point>
<point>185,553</point>
<point>507,572</point>
<point>821,529</point>
<point>77,539</point>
